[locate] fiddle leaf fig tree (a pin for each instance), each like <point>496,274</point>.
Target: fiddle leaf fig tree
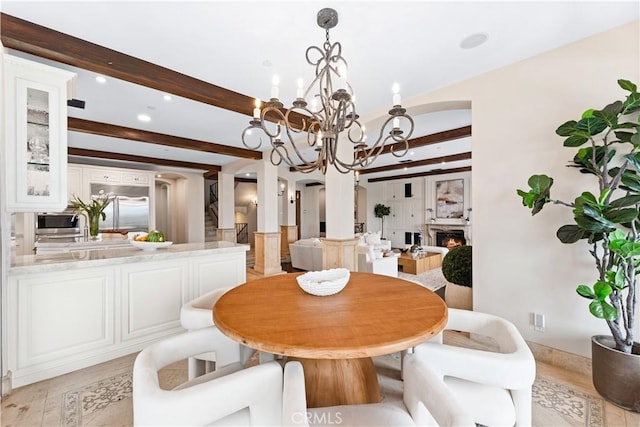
<point>608,150</point>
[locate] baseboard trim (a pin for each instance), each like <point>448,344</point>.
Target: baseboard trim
<point>5,385</point>
<point>561,359</point>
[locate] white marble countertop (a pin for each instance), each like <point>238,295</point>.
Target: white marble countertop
<point>48,246</point>
<point>107,257</point>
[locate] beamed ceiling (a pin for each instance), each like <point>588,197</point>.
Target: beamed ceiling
<point>214,58</point>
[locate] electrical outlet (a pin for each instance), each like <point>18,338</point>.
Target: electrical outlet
<point>538,322</point>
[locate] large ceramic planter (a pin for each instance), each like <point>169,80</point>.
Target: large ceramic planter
<point>616,375</point>
<point>457,296</point>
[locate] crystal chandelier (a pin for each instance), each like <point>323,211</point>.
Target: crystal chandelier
<point>329,120</point>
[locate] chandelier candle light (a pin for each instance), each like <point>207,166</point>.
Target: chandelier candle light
<point>332,112</point>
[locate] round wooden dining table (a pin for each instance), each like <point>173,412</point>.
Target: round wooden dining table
<point>335,336</point>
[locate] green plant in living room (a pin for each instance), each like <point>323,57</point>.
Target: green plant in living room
<point>457,269</point>
<point>456,266</point>
<point>608,146</point>
<point>380,211</point>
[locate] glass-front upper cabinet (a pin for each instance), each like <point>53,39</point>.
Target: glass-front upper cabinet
<point>35,139</point>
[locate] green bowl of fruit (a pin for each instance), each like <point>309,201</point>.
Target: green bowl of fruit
<point>148,241</point>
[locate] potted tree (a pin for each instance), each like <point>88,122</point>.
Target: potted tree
<point>380,211</point>
<point>608,145</point>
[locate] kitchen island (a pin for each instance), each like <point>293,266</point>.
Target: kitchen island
<point>67,311</point>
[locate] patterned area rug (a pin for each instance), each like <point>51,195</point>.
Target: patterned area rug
<point>86,400</point>
<point>574,407</point>
<point>432,279</point>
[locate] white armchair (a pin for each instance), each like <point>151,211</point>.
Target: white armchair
<point>198,314</point>
<point>426,402</point>
<point>494,386</point>
<point>228,396</point>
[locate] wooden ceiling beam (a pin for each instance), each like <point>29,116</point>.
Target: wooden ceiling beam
<point>46,43</point>
<point>114,131</point>
<point>434,138</point>
<point>421,174</point>
<point>82,152</point>
<point>210,175</point>
<point>418,163</point>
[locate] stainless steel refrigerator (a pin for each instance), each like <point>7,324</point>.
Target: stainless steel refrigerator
<point>129,210</point>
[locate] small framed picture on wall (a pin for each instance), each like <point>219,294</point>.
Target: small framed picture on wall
<point>450,199</point>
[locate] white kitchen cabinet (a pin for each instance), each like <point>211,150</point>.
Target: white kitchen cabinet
<point>152,294</point>
<point>35,139</point>
<point>58,318</point>
<point>135,178</point>
<point>106,176</point>
<point>86,307</point>
<point>117,176</point>
<point>223,271</point>
<point>74,183</point>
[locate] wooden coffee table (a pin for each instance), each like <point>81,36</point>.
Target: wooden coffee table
<point>424,261</point>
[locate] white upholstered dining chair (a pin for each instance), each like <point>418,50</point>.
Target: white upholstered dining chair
<point>230,396</point>
<point>495,386</point>
<point>426,402</point>
<point>198,314</point>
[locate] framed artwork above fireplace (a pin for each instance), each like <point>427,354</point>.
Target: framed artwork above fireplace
<point>450,199</point>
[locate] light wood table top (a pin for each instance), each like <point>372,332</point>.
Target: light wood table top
<point>373,315</point>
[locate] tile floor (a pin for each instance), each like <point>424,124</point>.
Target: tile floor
<point>101,395</point>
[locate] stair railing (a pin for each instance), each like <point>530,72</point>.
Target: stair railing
<point>242,232</point>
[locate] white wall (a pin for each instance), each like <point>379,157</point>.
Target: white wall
<point>189,208</point>
<point>519,265</point>
<point>309,212</point>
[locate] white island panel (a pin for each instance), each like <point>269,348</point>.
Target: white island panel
<point>57,319</point>
<point>153,294</point>
<point>72,310</point>
<point>219,272</point>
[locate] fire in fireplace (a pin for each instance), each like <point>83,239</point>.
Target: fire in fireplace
<point>450,238</point>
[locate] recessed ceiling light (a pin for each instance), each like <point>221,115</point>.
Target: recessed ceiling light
<point>443,163</point>
<point>158,176</point>
<point>248,174</point>
<point>411,153</point>
<point>404,168</point>
<point>166,97</point>
<point>474,40</point>
<point>144,117</point>
<point>101,79</point>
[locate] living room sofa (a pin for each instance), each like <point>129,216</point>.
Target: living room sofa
<point>387,265</point>
<point>306,254</point>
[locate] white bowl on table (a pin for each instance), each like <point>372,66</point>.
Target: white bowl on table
<point>149,245</point>
<point>324,282</point>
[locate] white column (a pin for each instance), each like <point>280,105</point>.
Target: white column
<point>267,197</point>
<point>226,206</point>
<point>339,248</point>
<point>267,237</point>
<point>339,198</point>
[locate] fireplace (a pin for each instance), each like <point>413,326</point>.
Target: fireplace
<point>450,238</point>
<point>441,234</point>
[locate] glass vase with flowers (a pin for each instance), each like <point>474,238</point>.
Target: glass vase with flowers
<point>93,211</point>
